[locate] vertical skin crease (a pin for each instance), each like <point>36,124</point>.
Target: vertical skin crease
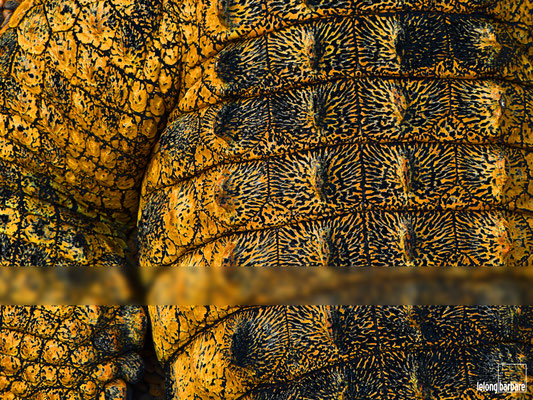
<point>349,133</point>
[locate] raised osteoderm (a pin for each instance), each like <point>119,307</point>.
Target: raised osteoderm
<point>384,133</point>
<point>346,133</point>
<point>327,352</point>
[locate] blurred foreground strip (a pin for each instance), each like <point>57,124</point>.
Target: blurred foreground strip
<point>59,285</point>
<point>321,285</point>
<point>261,285</point>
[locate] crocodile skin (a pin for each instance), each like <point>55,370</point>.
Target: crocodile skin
<point>84,87</point>
<point>303,133</point>
<point>346,133</point>
<point>69,352</point>
<point>326,352</point>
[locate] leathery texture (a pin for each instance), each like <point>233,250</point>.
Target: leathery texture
<point>340,352</point>
<point>346,133</point>
<point>70,352</point>
<point>84,88</point>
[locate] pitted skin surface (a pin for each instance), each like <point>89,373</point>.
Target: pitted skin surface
<point>327,352</point>
<point>347,133</point>
<point>84,87</point>
<point>69,352</point>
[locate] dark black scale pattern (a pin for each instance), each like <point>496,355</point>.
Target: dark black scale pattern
<point>351,134</point>
<point>347,352</point>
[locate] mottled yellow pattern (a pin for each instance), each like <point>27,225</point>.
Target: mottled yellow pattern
<point>69,352</point>
<point>84,88</point>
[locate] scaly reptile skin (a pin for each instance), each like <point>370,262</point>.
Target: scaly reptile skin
<point>382,134</point>
<point>360,133</point>
<point>84,87</point>
<point>7,8</point>
<point>303,134</point>
<point>69,352</point>
<point>326,352</point>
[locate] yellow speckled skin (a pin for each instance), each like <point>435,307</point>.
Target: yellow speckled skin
<point>299,133</point>
<point>69,352</point>
<point>346,133</point>
<point>84,86</point>
<point>361,133</point>
<point>344,352</point>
